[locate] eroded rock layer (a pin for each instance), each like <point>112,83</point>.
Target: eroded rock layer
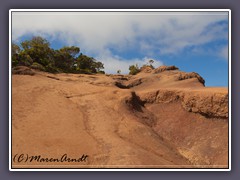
<point>159,118</point>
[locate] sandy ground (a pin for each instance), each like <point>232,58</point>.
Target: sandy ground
<point>143,121</point>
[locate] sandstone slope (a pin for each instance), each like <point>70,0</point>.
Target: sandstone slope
<point>159,118</point>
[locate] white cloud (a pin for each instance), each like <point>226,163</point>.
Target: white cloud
<point>224,53</point>
<point>113,63</point>
<point>147,33</point>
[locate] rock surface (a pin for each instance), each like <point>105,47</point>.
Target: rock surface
<point>159,118</point>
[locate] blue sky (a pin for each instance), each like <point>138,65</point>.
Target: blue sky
<point>192,41</point>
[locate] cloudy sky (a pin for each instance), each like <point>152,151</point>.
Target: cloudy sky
<point>193,41</point>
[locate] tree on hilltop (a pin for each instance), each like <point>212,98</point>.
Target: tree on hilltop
<point>89,64</point>
<point>64,58</point>
<point>134,69</point>
<point>15,54</point>
<point>151,62</point>
<point>38,49</point>
<point>37,53</point>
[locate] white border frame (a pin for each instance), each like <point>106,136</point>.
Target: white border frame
<point>119,10</point>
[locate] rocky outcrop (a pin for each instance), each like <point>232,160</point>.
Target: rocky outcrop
<point>160,118</point>
<point>23,70</point>
<point>150,69</point>
<point>207,104</point>
<point>146,69</point>
<point>165,68</point>
<point>183,76</point>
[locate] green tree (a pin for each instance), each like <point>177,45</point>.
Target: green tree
<point>37,54</point>
<point>39,51</point>
<point>88,64</point>
<point>24,59</point>
<point>151,61</point>
<point>71,50</point>
<point>64,58</point>
<point>98,66</point>
<point>15,49</point>
<point>134,69</point>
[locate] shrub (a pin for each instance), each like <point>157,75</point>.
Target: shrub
<point>23,70</point>
<point>101,72</point>
<point>134,69</point>
<point>38,66</point>
<point>53,69</point>
<point>25,59</point>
